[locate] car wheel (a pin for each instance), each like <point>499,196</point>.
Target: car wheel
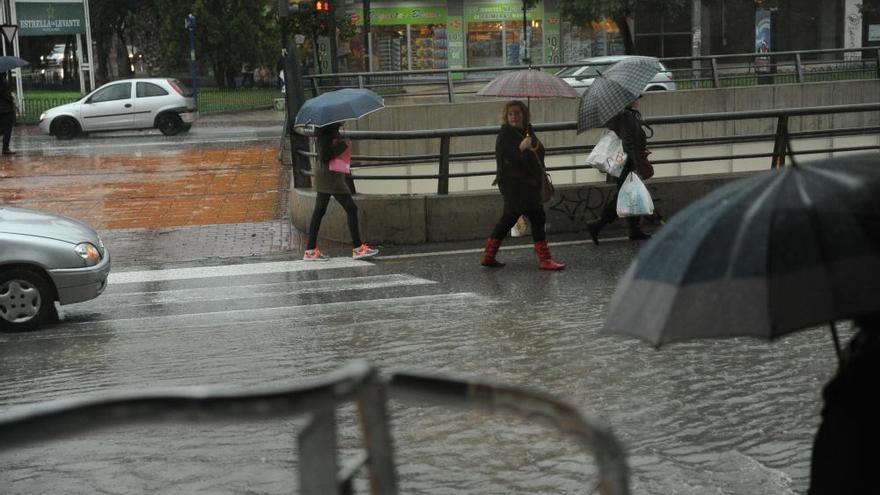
<point>65,128</point>
<point>26,300</point>
<point>170,124</point>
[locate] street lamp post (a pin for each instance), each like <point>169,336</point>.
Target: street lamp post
<point>190,24</point>
<point>294,95</point>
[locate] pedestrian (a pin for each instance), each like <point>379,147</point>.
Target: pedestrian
<point>7,113</point>
<point>630,128</point>
<point>329,145</point>
<point>519,157</point>
<point>845,447</point>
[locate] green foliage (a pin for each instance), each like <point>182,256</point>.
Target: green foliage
<point>228,33</point>
<point>311,24</point>
<point>584,11</point>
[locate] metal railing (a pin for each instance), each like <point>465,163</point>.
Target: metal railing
<point>319,469</point>
<point>781,138</point>
<point>710,71</point>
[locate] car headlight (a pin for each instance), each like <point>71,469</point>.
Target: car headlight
<point>88,252</point>
<point>42,116</point>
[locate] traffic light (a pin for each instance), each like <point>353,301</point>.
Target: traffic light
<point>322,6</point>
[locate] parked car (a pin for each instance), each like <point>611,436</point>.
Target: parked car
<point>581,76</point>
<point>46,258</point>
<point>165,104</point>
<point>56,56</point>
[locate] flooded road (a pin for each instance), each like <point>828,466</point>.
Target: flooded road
<point>732,416</point>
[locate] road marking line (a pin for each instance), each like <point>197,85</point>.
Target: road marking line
<point>231,270</point>
<point>480,250</point>
<point>251,315</point>
<point>234,293</point>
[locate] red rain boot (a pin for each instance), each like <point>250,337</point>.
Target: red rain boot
<point>489,253</point>
<point>545,262</point>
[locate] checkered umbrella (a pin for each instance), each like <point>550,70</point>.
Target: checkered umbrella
<point>528,83</point>
<point>612,91</point>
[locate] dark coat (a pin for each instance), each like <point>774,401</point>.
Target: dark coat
<point>845,447</point>
<point>520,174</point>
<point>326,181</point>
<point>628,127</point>
<point>7,102</point>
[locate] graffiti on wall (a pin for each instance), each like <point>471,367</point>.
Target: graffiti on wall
<point>585,203</point>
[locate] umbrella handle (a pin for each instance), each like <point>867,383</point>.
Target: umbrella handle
<point>837,345</point>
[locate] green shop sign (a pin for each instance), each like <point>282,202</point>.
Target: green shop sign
<point>500,12</point>
<point>48,18</point>
<point>395,16</point>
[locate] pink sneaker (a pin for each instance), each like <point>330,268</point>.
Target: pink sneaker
<point>315,255</point>
<point>364,251</point>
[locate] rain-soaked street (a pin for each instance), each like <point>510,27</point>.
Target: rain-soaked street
<point>730,416</point>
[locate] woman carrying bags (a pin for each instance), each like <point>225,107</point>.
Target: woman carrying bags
<point>519,156</point>
<point>327,183</point>
<point>628,125</point>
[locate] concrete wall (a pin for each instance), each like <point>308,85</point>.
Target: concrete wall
<point>485,112</point>
<point>416,219</point>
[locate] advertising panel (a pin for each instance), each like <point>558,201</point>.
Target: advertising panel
<point>45,18</point>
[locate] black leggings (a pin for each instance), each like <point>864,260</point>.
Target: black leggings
<point>351,211</point>
<point>7,122</point>
<point>536,217</point>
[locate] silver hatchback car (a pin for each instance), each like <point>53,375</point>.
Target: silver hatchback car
<point>581,76</point>
<point>46,258</point>
<point>165,104</point>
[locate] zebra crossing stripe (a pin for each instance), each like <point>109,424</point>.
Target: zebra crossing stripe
<point>231,270</point>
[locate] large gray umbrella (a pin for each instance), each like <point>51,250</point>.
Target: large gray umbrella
<point>613,90</point>
<point>763,256</point>
<point>8,63</point>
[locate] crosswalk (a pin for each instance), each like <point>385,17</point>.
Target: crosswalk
<point>240,294</point>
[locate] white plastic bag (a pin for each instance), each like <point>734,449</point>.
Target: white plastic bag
<point>608,156</point>
<point>520,228</point>
<point>634,200</point>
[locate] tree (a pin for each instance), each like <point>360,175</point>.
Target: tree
<point>620,11</point>
<point>113,19</point>
<point>229,33</point>
<point>312,24</point>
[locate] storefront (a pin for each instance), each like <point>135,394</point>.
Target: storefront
<point>414,35</point>
<point>402,38</point>
<point>495,35</point>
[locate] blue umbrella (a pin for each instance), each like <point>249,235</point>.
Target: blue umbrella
<point>338,106</point>
<point>8,63</point>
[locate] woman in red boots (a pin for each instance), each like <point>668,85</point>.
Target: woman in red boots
<point>520,159</point>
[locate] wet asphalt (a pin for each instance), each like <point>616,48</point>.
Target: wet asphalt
<point>731,417</point>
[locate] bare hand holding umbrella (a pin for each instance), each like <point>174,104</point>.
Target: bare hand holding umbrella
<point>528,84</point>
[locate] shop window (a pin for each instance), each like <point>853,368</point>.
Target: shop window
<point>390,46</point>
<point>485,47</point>
<point>429,46</point>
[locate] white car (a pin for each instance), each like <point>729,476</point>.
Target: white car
<point>46,258</point>
<point>581,75</point>
<point>165,104</point>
